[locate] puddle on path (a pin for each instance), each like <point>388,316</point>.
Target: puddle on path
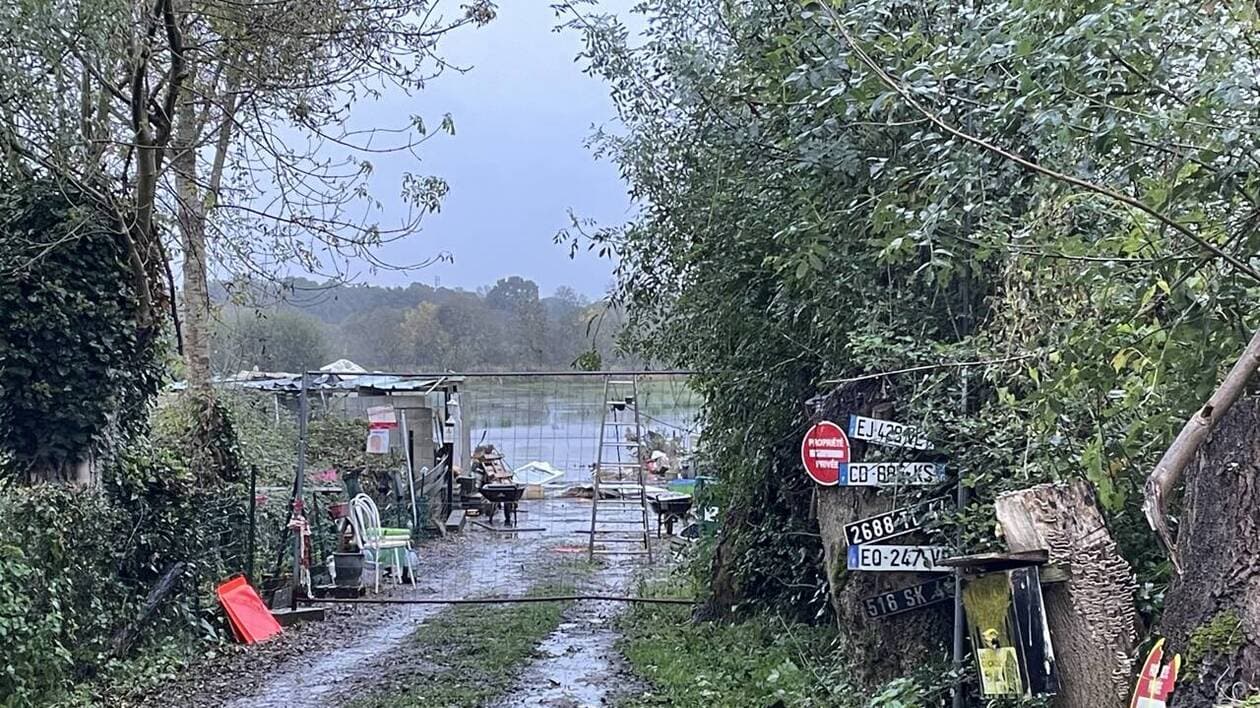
<point>488,564</point>
<point>579,665</point>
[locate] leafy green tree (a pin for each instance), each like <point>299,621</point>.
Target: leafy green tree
<point>1067,191</point>
<point>76,370</point>
<point>374,339</point>
<point>525,320</point>
<point>427,341</point>
<point>279,340</point>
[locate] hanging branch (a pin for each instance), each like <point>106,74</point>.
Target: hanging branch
<point>1162,480</point>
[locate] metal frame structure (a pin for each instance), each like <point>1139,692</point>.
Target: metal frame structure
<point>309,383</point>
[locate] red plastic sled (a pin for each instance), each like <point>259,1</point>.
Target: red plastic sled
<point>250,619</point>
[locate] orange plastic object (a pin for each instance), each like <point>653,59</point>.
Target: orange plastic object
<point>251,620</point>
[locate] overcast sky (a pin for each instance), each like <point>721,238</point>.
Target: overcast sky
<point>517,162</point>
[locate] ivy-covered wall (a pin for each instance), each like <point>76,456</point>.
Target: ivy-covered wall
<point>76,370</point>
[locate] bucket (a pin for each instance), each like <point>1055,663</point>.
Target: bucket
<point>338,510</point>
<point>349,569</point>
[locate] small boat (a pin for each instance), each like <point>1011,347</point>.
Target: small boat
<point>537,473</point>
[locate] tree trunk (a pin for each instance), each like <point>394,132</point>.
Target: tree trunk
<point>1092,619</point>
<point>1212,611</point>
<point>888,647</point>
<point>191,216</point>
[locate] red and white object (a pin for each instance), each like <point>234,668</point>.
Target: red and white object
<point>825,453</point>
<point>1157,680</point>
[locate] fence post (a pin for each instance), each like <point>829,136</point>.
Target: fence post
<point>253,524</point>
<point>304,412</point>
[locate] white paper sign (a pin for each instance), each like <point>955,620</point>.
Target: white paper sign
<point>378,441</point>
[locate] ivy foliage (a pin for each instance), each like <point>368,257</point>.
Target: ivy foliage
<point>76,373</point>
<point>812,208</point>
<point>76,565</point>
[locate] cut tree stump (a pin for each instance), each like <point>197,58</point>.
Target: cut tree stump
<point>1092,620</point>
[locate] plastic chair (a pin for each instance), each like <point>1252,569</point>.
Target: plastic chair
<point>365,519</point>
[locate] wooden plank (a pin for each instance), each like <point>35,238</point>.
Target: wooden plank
<point>992,562</point>
<point>455,522</point>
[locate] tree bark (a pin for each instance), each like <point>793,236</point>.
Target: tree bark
<point>191,217</point>
<point>1212,611</point>
<point>1093,624</point>
<point>1164,478</point>
<point>888,647</point>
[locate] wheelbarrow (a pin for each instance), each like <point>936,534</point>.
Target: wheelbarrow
<point>506,495</point>
<point>669,508</point>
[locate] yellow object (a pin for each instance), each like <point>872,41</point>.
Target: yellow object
<point>987,600</point>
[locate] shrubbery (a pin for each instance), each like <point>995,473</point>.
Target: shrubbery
<point>61,596</point>
<point>76,565</point>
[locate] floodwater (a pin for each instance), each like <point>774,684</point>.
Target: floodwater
<point>558,422</point>
<point>576,658</point>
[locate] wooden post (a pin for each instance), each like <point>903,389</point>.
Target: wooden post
<point>1092,621</point>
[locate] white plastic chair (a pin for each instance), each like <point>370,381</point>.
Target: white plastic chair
<point>365,518</point>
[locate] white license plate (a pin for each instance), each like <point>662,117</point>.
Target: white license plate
<point>891,474</point>
<point>887,432</point>
<point>897,522</point>
<point>898,559</point>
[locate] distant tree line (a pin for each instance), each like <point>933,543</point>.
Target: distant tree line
<point>304,324</point>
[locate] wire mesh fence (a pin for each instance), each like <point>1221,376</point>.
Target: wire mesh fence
<point>556,419</point>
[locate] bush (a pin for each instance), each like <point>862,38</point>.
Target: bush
<point>60,594</point>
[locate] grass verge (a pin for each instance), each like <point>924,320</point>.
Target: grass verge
<point>468,655</point>
<point>759,662</point>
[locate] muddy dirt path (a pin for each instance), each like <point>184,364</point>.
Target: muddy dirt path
<point>579,664</point>
<point>311,663</point>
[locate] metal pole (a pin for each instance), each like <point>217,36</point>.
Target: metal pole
<point>520,374</point>
<point>960,617</point>
<point>304,412</point>
<point>253,524</point>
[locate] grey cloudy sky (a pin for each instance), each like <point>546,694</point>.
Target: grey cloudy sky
<point>517,162</point>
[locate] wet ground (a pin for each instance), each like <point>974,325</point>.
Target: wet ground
<point>579,664</point>
<point>322,663</point>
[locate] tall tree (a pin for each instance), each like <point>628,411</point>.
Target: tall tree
<point>833,191</point>
<point>228,118</point>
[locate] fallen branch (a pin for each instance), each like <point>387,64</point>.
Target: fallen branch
<point>125,637</point>
<point>1162,480</point>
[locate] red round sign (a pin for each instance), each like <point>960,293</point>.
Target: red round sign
<point>823,451</point>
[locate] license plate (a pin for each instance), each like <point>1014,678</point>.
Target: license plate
<point>887,432</point>
<point>898,559</point>
<point>897,522</point>
<point>912,598</point>
<point>891,474</point>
